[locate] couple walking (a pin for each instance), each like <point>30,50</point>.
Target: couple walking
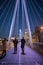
<point>22,45</point>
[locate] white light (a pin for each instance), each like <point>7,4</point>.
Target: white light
<point>13,21</point>
<point>20,30</point>
<point>20,34</point>
<point>28,25</point>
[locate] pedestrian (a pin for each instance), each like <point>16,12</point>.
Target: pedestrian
<point>39,37</point>
<point>4,48</point>
<point>23,44</point>
<point>15,45</point>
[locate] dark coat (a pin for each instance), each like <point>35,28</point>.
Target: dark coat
<point>22,43</point>
<point>4,44</point>
<point>15,42</point>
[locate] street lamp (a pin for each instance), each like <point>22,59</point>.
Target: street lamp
<point>41,27</point>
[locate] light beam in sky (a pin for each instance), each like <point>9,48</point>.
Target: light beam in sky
<point>36,11</point>
<point>5,9</point>
<point>20,34</point>
<point>23,21</point>
<point>5,18</point>
<point>27,21</point>
<point>13,20</point>
<point>33,13</point>
<point>17,21</point>
<point>28,24</point>
<point>10,10</point>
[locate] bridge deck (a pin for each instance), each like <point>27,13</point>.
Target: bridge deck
<point>30,58</point>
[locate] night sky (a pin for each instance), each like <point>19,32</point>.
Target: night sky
<point>35,15</point>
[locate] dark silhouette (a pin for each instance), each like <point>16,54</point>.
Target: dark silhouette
<point>4,48</point>
<point>15,45</point>
<point>23,44</point>
<point>39,37</point>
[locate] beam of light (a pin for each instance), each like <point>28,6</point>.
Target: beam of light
<point>20,33</point>
<point>36,10</point>
<point>13,21</point>
<point>3,4</point>
<point>20,37</point>
<point>10,10</point>
<point>17,21</point>
<point>5,9</point>
<point>28,25</point>
<point>30,12</point>
<point>30,15</point>
<point>5,18</point>
<point>23,24</point>
<point>38,6</point>
<point>33,14</point>
<point>41,10</point>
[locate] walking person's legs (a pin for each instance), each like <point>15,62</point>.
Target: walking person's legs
<point>22,50</point>
<point>3,54</point>
<point>16,49</point>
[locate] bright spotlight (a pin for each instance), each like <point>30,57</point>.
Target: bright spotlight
<point>28,24</point>
<point>13,20</point>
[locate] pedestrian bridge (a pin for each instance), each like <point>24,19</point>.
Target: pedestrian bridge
<point>31,57</point>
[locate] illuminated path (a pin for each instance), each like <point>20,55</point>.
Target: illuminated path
<point>31,57</point>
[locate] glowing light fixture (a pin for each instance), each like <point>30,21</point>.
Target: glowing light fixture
<point>41,27</point>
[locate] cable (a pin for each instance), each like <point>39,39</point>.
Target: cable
<point>28,24</point>
<point>38,6</point>
<point>33,13</point>
<point>13,21</point>
<point>4,9</point>
<point>30,14</point>
<point>3,4</point>
<point>36,10</point>
<point>23,24</point>
<point>17,21</point>
<point>4,19</point>
<point>10,10</point>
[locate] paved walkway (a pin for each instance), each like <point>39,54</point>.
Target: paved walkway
<point>31,57</point>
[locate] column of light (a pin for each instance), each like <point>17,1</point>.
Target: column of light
<point>13,21</point>
<point>28,24</point>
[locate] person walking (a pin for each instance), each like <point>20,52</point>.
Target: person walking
<point>4,48</point>
<point>23,44</point>
<point>15,45</point>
